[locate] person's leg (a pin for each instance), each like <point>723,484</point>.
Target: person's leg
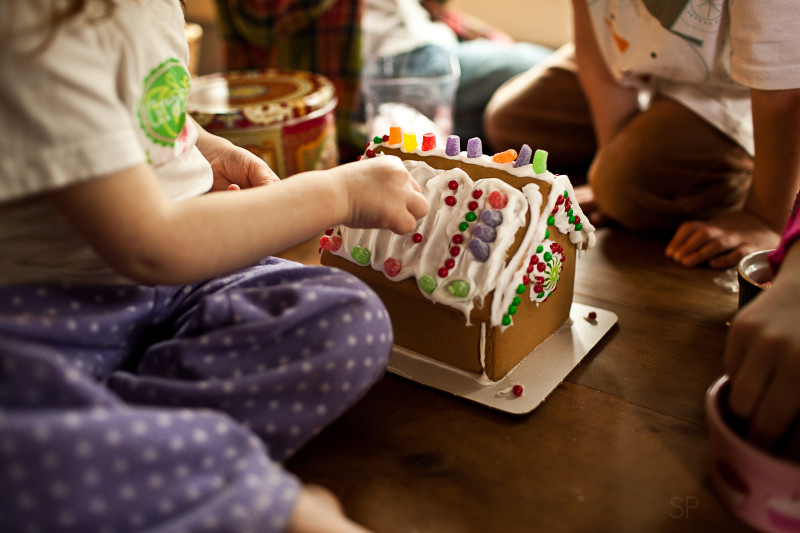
<point>76,458</point>
<point>667,166</point>
<point>485,65</point>
<point>546,109</point>
<point>282,347</point>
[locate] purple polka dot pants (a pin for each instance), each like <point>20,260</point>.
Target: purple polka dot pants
<point>169,409</point>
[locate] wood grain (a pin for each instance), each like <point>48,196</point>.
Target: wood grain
<point>620,446</point>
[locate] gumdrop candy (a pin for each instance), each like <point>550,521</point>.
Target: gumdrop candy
<point>484,232</point>
<point>505,157</point>
<point>428,142</point>
<point>395,135</point>
<point>360,255</point>
<point>458,288</point>
<point>540,162</point>
<point>498,200</point>
<point>330,243</point>
<point>392,267</point>
<point>453,146</point>
<point>492,218</point>
<point>409,141</point>
<point>524,156</point>
<point>427,283</point>
<point>474,147</point>
<point>479,249</point>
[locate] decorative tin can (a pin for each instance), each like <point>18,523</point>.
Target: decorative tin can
<point>284,117</point>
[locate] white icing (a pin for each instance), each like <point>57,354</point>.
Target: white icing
<point>442,223</point>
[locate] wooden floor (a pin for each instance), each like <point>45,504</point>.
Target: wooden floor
<point>620,446</point>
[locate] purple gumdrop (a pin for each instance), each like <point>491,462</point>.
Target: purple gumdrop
<point>474,147</point>
<point>524,156</point>
<point>484,232</point>
<point>492,218</point>
<point>479,249</point>
<point>453,146</point>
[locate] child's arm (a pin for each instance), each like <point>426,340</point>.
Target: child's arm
<point>128,221</point>
<point>724,240</point>
<point>762,356</point>
<point>611,104</point>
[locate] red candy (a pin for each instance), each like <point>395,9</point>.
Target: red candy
<point>458,239</point>
<point>392,267</point>
<point>428,142</point>
<point>454,251</point>
<point>443,272</point>
<point>477,194</point>
<point>370,153</point>
<point>473,206</point>
<point>417,238</point>
<point>330,243</point>
<point>329,231</point>
<point>498,200</point>
<point>592,316</point>
<point>452,185</point>
<point>450,264</point>
<point>517,390</point>
<point>450,200</point>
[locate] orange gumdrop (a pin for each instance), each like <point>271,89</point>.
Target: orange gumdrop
<point>505,157</point>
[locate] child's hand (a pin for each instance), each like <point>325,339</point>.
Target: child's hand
<point>235,168</point>
<point>380,193</point>
<point>762,356</point>
<point>722,241</point>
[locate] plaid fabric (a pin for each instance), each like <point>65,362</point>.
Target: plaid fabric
<point>321,36</point>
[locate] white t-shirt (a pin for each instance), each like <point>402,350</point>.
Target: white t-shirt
<point>706,54</point>
<point>392,27</point>
<point>107,93</point>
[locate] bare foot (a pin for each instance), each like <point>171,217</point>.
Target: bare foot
<point>585,197</point>
<point>319,511</point>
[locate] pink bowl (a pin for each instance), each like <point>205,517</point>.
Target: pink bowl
<point>761,489</point>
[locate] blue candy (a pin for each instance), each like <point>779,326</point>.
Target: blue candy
<point>492,218</point>
<point>485,233</point>
<point>479,249</point>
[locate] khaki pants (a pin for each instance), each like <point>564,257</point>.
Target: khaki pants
<point>666,166</point>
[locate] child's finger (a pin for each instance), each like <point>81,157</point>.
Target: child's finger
<point>683,233</point>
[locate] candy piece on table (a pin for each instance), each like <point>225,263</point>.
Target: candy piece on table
<point>474,147</point>
<point>524,156</point>
<point>395,135</point>
<point>453,146</point>
<point>428,142</point>
<point>505,157</point>
<point>409,141</point>
<point>540,162</point>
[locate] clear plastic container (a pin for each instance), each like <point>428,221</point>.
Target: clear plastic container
<point>415,90</point>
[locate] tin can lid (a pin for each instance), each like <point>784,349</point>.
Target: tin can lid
<point>258,98</point>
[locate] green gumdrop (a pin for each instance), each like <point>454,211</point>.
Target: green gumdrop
<point>539,249</point>
<point>463,226</point>
<point>512,310</point>
<point>551,220</point>
<point>506,320</point>
<point>360,255</point>
<point>539,162</point>
<point>521,289</point>
<point>377,139</point>
<point>548,256</point>
<point>579,226</point>
<point>427,283</point>
<point>458,288</point>
<point>516,301</point>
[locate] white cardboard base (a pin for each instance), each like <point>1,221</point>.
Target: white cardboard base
<point>539,373</point>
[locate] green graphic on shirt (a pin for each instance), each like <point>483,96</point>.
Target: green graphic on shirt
<point>162,106</point>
